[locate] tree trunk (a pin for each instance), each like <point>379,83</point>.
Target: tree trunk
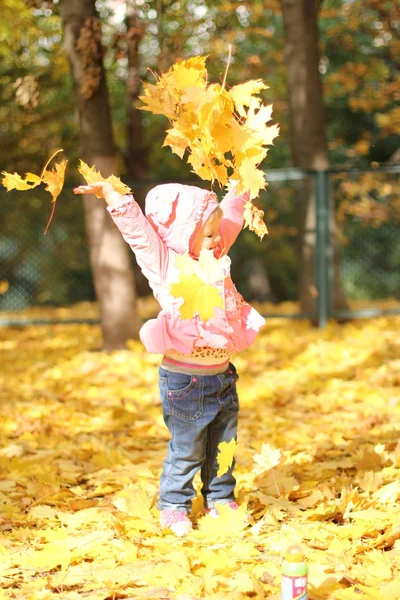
<point>109,255</point>
<point>136,158</point>
<point>308,134</point>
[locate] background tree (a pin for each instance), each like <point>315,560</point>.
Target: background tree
<point>136,153</point>
<point>308,135</point>
<point>111,267</point>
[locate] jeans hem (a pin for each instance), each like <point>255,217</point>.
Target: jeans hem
<point>165,506</point>
<point>213,503</point>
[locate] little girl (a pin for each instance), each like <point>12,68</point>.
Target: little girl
<point>196,378</point>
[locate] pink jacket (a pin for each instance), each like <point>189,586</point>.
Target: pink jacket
<point>175,214</point>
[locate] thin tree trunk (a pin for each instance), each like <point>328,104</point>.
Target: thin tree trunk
<point>109,254</point>
<point>308,133</point>
<point>136,159</point>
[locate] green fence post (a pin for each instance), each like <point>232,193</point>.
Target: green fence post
<point>322,213</point>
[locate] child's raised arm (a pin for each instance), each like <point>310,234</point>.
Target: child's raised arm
<point>150,251</point>
<point>232,221</point>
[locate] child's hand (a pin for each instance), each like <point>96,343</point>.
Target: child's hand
<point>103,189</point>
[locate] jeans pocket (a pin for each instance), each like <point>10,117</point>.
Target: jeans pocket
<point>185,396</point>
<point>228,381</point>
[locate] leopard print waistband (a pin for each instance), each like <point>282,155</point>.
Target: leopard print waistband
<point>201,356</point>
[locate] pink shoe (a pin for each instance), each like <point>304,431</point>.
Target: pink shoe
<point>213,512</point>
<point>176,520</point>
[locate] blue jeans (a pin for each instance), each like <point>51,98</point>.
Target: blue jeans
<point>200,411</point>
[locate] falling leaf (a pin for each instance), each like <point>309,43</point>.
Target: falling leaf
<point>195,285</point>
<point>13,181</point>
<point>55,182</point>
<point>225,456</point>
<point>90,175</point>
<point>53,178</point>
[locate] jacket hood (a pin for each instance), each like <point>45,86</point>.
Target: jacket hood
<point>178,212</point>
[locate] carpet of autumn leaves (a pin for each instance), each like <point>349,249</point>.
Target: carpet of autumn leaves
<point>82,443</point>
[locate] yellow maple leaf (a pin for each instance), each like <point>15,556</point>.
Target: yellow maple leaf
<point>258,115</point>
<point>187,73</point>
<point>55,183</point>
<point>251,178</point>
<point>52,555</point>
<point>195,285</point>
<point>158,100</point>
<point>243,581</point>
<point>55,179</point>
<point>267,459</point>
<point>218,561</point>
<point>176,141</point>
<point>226,452</point>
<point>134,501</point>
<point>90,175</point>
<point>13,181</point>
<point>243,93</point>
<point>253,219</point>
<point>229,523</point>
<point>164,97</point>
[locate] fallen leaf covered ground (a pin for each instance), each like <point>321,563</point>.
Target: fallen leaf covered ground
<point>82,443</point>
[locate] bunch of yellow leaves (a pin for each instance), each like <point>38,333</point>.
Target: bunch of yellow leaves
<point>53,178</point>
<point>224,131</point>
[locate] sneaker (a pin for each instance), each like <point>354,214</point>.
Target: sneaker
<point>213,512</point>
<point>176,520</point>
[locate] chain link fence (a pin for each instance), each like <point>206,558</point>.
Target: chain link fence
<point>367,206</point>
<point>48,274</point>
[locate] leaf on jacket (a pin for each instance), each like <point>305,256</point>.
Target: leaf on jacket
<point>224,131</point>
<point>195,285</point>
<point>90,175</point>
<point>53,178</point>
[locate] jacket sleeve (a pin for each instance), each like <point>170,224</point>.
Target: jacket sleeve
<point>232,220</point>
<point>150,251</point>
